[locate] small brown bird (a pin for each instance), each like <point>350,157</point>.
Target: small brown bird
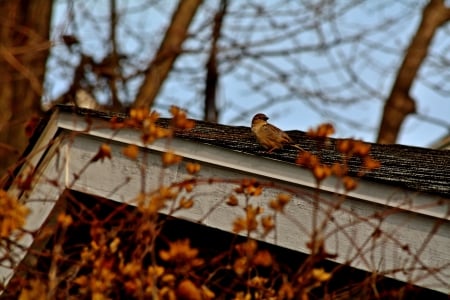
<point>269,136</point>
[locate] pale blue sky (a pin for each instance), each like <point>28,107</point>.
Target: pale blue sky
<point>234,94</point>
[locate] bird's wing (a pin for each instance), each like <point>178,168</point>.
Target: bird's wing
<point>269,131</point>
<point>286,138</point>
<point>275,134</point>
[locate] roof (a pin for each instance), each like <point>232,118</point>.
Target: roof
<point>418,169</point>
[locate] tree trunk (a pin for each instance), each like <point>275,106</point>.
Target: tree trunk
<point>400,104</point>
<point>24,48</point>
<point>211,113</point>
<point>167,53</point>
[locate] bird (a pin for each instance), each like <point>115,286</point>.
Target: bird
<point>270,136</point>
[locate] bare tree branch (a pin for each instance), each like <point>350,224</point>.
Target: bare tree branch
<point>212,73</point>
<point>167,53</point>
<point>116,105</point>
<point>400,104</point>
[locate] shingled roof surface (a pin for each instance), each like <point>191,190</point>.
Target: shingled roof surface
<point>420,169</point>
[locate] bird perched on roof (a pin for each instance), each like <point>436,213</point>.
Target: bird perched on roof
<point>270,136</point>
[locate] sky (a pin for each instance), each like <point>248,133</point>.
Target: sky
<point>235,98</point>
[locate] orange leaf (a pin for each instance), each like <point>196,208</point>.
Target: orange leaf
<point>371,163</point>
<point>103,152</point>
<point>131,151</point>
<point>192,168</point>
<point>187,290</point>
<point>170,158</point>
<point>349,183</point>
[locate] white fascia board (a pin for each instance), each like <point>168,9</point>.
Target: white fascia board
<point>386,195</point>
<point>36,161</point>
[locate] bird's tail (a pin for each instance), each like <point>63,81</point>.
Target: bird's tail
<point>298,147</point>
